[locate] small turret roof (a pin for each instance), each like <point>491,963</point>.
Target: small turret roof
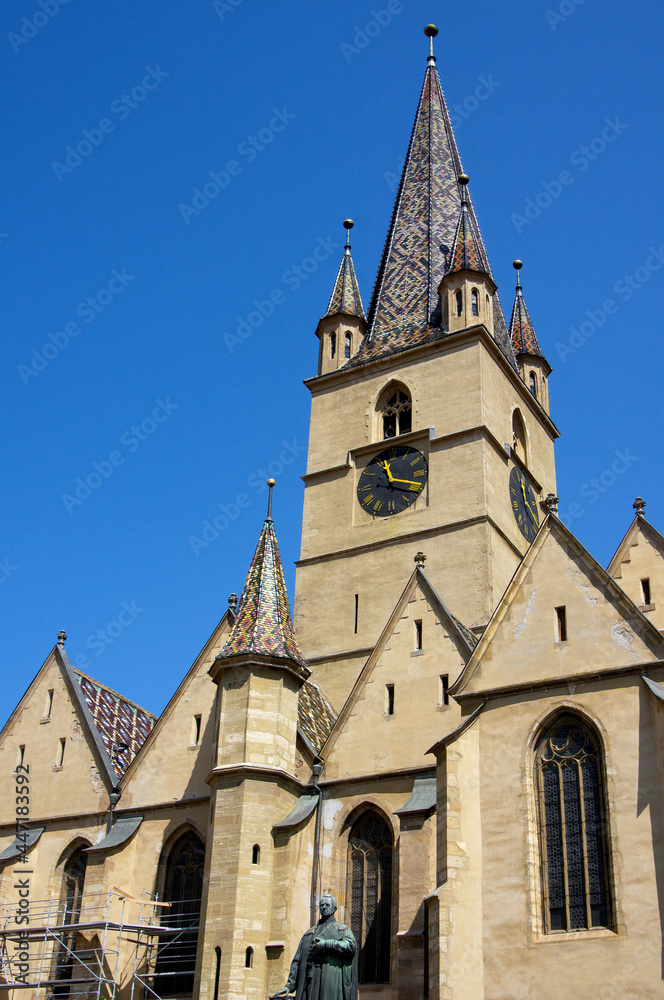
<point>346,296</point>
<point>467,252</point>
<point>263,621</point>
<point>522,332</point>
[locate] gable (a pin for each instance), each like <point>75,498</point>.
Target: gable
<point>522,644</point>
<point>397,708</point>
<point>640,558</point>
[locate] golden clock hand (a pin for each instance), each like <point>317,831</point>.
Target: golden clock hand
<point>410,482</point>
<point>386,466</point>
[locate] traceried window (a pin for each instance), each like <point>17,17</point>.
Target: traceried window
<point>397,413</point>
<point>183,888</point>
<point>73,880</point>
<point>572,827</point>
<point>369,893</point>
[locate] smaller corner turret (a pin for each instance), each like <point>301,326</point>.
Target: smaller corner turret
<point>342,327</point>
<point>534,369</point>
<point>467,289</point>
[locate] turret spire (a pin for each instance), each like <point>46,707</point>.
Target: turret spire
<point>467,252</point>
<point>346,297</point>
<point>522,332</point>
<point>263,623</point>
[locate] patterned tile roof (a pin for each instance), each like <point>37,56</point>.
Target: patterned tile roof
<point>263,622</point>
<point>315,717</point>
<point>117,719</point>
<point>466,253</point>
<point>522,332</point>
<point>405,307</point>
<point>346,294</point>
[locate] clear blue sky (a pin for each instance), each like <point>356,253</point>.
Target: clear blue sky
<point>305,117</point>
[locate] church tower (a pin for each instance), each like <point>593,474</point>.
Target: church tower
<point>426,438</point>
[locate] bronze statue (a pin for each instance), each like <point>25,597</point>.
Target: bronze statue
<point>325,963</point>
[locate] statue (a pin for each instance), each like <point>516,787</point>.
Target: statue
<point>325,963</point>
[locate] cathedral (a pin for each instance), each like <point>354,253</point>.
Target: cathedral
<point>459,732</point>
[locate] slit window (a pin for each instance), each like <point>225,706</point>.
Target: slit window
<point>645,591</point>
<point>459,302</point>
<point>256,854</point>
<point>20,755</point>
<point>389,699</point>
<point>357,609</point>
<point>48,705</point>
<point>61,752</point>
<point>333,344</point>
<point>444,689</point>
<point>249,958</point>
<point>217,971</point>
<point>474,302</point>
<point>347,345</point>
<point>196,730</point>
<point>533,384</point>
<point>561,623</point>
<point>418,635</point>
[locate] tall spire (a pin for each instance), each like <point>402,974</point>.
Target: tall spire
<point>346,293</point>
<point>522,332</point>
<point>263,623</point>
<point>405,308</point>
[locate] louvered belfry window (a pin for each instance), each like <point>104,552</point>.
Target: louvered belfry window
<point>183,889</point>
<point>573,828</point>
<point>370,895</point>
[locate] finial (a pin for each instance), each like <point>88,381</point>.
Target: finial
<point>550,503</point>
<point>348,225</point>
<point>419,560</point>
<point>431,31</point>
<point>638,506</point>
<point>463,181</point>
<point>232,602</point>
<point>517,265</point>
<point>271,484</point>
<point>62,635</point>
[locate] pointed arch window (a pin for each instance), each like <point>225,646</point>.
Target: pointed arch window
<point>347,345</point>
<point>532,384</point>
<point>519,436</point>
<point>333,344</point>
<point>73,881</point>
<point>369,892</point>
<point>475,302</point>
<point>572,827</point>
<point>459,302</point>
<point>396,412</point>
<point>183,889</point>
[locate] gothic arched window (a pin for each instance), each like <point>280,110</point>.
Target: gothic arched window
<point>459,302</point>
<point>519,436</point>
<point>183,888</point>
<point>347,345</point>
<point>474,302</point>
<point>73,880</point>
<point>533,384</point>
<point>572,827</point>
<point>396,411</point>
<point>370,895</point>
<point>333,344</point>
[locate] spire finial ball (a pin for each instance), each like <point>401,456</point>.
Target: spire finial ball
<point>517,265</point>
<point>463,179</point>
<point>348,223</point>
<point>431,31</point>
<point>271,482</point>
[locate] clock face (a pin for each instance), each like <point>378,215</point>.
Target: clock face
<point>392,481</point>
<point>524,504</point>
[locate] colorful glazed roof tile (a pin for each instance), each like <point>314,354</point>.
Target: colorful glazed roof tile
<point>346,294</point>
<point>315,717</point>
<point>117,719</point>
<point>522,332</point>
<point>466,253</point>
<point>263,622</point>
<point>405,307</point>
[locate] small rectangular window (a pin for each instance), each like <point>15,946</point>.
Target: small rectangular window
<point>645,591</point>
<point>357,608</point>
<point>418,635</point>
<point>61,752</point>
<point>561,623</point>
<point>20,755</point>
<point>444,689</point>
<point>196,730</point>
<point>389,698</point>
<point>48,705</point>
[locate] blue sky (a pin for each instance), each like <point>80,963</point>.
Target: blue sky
<point>123,290</point>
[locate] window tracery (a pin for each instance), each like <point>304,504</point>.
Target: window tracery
<point>397,413</point>
<point>370,895</point>
<point>183,889</point>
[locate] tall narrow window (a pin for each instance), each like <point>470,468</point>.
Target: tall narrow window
<point>20,756</point>
<point>183,888</point>
<point>389,699</point>
<point>357,608</point>
<point>217,971</point>
<point>444,689</point>
<point>196,730</point>
<point>73,880</point>
<point>369,893</point>
<point>396,410</point>
<point>333,344</point>
<point>48,704</point>
<point>459,302</point>
<point>533,384</point>
<point>347,345</point>
<point>418,634</point>
<point>256,854</point>
<point>60,759</point>
<point>249,958</point>
<point>519,436</point>
<point>561,624</point>
<point>645,591</point>
<point>572,827</point>
<point>474,302</point>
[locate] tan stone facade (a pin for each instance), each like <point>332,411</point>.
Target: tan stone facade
<point>460,736</point>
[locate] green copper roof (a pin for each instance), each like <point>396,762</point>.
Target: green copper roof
<point>346,294</point>
<point>263,622</point>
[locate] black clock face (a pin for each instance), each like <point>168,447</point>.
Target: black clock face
<point>524,504</point>
<point>392,481</point>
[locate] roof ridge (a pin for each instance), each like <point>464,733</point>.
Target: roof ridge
<point>110,690</point>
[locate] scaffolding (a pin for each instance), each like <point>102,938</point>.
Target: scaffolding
<point>95,951</point>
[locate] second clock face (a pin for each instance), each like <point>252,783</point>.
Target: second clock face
<point>524,504</point>
<point>392,481</point>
